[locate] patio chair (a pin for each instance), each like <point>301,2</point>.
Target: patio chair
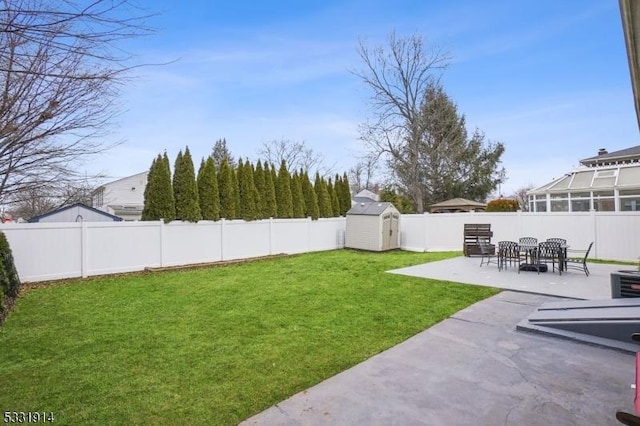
<point>528,241</point>
<point>488,252</point>
<point>527,253</point>
<point>558,240</point>
<point>508,254</point>
<point>577,259</point>
<point>550,251</point>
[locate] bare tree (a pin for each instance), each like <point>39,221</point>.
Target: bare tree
<point>521,195</point>
<point>60,73</point>
<point>398,78</point>
<point>361,176</point>
<point>296,155</point>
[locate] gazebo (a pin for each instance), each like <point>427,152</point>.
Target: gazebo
<point>456,205</point>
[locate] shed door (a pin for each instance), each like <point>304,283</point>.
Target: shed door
<point>386,231</point>
<point>394,235</point>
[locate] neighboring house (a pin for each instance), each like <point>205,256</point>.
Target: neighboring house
<point>364,196</point>
<point>123,197</point>
<point>457,205</point>
<point>77,212</point>
<point>609,181</point>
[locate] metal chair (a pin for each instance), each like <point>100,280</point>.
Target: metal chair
<point>528,241</point>
<point>558,240</point>
<point>508,253</point>
<point>488,252</point>
<point>527,252</point>
<point>551,251</point>
<point>577,259</point>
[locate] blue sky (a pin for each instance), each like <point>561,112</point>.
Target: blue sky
<point>549,79</point>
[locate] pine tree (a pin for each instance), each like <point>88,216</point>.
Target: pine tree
<point>296,196</point>
<point>208,190</point>
<point>225,190</point>
<point>324,200</point>
<point>283,192</point>
<point>255,195</point>
<point>261,189</point>
<point>335,204</point>
<point>246,191</point>
<point>158,201</point>
<point>270,207</point>
<point>185,189</point>
<point>220,152</point>
<point>310,198</point>
<point>345,201</point>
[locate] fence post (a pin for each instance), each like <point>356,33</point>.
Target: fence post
<point>270,236</point>
<point>594,231</point>
<point>83,249</point>
<point>222,222</point>
<point>162,249</point>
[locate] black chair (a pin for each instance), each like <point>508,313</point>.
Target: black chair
<point>488,252</point>
<point>508,254</point>
<point>551,251</point>
<point>558,240</point>
<point>577,259</point>
<point>527,253</point>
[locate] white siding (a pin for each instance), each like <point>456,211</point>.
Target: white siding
<point>364,232</point>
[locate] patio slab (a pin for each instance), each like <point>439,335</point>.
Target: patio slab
<point>471,369</point>
<point>571,284</point>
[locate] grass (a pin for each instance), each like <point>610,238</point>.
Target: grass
<point>211,345</point>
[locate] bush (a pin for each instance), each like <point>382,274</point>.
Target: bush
<point>9,280</point>
<point>503,205</point>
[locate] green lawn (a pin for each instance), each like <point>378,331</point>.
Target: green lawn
<point>211,345</point>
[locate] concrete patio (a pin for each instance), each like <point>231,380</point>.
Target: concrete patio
<point>572,283</point>
<point>474,368</point>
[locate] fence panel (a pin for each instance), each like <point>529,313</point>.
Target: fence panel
<point>617,236</point>
<point>185,243</point>
<point>242,239</point>
<point>121,247</point>
<point>327,233</point>
<point>412,232</point>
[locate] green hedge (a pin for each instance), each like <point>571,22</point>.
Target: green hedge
<point>503,205</point>
<point>9,280</point>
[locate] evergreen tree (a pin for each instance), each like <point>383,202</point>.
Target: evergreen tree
<point>345,201</point>
<point>261,189</point>
<point>236,192</point>
<point>167,164</point>
<point>159,202</point>
<point>208,190</point>
<point>270,208</point>
<point>246,191</point>
<point>220,152</point>
<point>296,196</point>
<point>335,204</point>
<point>255,197</point>
<point>284,200</point>
<point>310,198</point>
<point>185,189</point>
<point>324,200</point>
<point>225,190</point>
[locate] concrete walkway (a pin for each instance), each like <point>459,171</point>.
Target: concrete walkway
<point>572,283</point>
<point>472,369</point>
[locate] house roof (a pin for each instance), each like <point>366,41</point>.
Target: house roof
<point>370,209</point>
<point>357,199</point>
<point>368,194</point>
<point>458,202</point>
<point>624,176</point>
<point>71,206</point>
<point>627,153</point>
<point>630,13</point>
<point>118,180</point>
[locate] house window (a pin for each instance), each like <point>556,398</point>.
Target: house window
<point>603,201</point>
<point>580,201</point>
<point>98,198</point>
<point>629,200</point>
<point>559,202</point>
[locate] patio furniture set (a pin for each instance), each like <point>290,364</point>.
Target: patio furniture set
<point>527,254</point>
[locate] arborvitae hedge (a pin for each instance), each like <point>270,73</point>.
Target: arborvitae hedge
<point>284,200</point>
<point>335,203</point>
<point>270,207</point>
<point>185,189</point>
<point>9,279</point>
<point>310,198</point>
<point>208,195</point>
<point>247,191</point>
<point>236,192</point>
<point>256,198</point>
<point>345,200</point>
<point>324,199</point>
<point>158,194</point>
<point>297,196</point>
<point>261,188</point>
<point>226,192</point>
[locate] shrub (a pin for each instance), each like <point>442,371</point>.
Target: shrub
<point>503,205</point>
<point>9,280</point>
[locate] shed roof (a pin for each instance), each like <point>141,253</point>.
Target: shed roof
<point>457,202</point>
<point>71,206</point>
<point>370,209</point>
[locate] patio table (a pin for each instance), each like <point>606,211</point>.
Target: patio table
<point>533,264</point>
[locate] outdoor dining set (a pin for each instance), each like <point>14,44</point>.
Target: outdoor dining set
<point>528,254</point>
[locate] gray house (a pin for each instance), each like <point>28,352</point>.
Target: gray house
<point>373,226</point>
<point>77,212</point>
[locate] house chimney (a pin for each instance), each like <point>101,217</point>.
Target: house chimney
<point>602,151</point>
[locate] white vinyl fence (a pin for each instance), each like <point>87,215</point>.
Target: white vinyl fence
<point>48,251</point>
<point>616,235</point>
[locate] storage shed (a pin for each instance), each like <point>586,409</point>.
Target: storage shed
<point>77,212</point>
<point>373,226</point>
